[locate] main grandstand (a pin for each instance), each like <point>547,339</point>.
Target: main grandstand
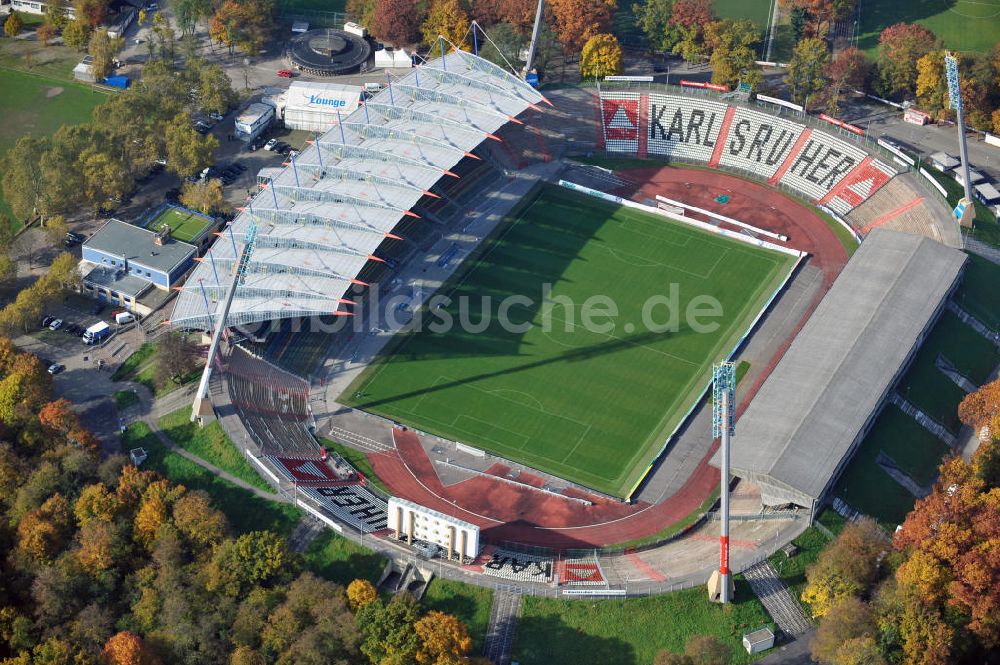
<point>399,196</point>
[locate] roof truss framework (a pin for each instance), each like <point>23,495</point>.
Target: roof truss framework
<point>318,226</point>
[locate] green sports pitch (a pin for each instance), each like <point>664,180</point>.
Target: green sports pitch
<point>589,403</point>
<point>963,25</point>
<point>185,225</point>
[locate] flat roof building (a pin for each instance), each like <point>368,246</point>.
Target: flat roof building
<point>814,409</point>
<point>121,261</point>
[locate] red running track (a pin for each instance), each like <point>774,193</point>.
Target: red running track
<point>507,512</point>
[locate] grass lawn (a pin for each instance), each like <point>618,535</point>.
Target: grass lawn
<point>792,571</point>
<point>963,25</point>
<point>291,6</point>
<point>39,106</point>
<point>978,294</point>
<point>468,602</point>
<point>185,225</point>
<point>866,487</point>
<point>676,527</point>
<point>245,511</point>
<point>357,459</point>
<point>140,357</point>
<point>125,398</point>
<point>211,444</point>
<point>633,631</point>
<point>341,560</point>
<point>928,388</point>
<point>758,11</point>
<point>592,403</point>
<point>915,450</point>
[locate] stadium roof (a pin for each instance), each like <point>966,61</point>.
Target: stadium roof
<point>318,224</point>
<point>801,426</point>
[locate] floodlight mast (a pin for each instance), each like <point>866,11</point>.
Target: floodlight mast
<point>965,213</point>
<point>202,405</point>
<point>535,32</point>
<point>720,584</point>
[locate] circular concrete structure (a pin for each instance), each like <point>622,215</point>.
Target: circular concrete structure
<point>327,52</point>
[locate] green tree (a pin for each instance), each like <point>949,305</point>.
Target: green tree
<point>448,19</point>
<point>13,25</point>
<point>187,151</point>
<point>55,15</point>
<point>733,47</point>
<point>255,558</point>
<point>653,18</point>
<point>388,630</point>
<point>8,270</point>
<point>103,49</point>
<point>22,176</point>
<point>215,89</point>
<point>76,33</point>
<point>175,357</point>
<point>56,229</point>
<point>105,179</point>
<point>900,47</point>
<point>504,46</point>
<point>807,72</point>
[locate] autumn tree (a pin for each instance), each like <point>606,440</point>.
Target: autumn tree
<point>76,34</point>
<point>444,640</point>
<point>215,89</point>
<point>807,73</point>
<point>42,533</point>
<point>101,546</point>
<point>361,593</point>
<point>601,56</point>
<point>96,502</point>
<point>819,15</point>
<point>22,177</point>
<point>244,655</point>
<point>360,11</point>
<point>698,650</point>
<point>198,520</point>
<point>126,648</point>
<point>845,568</point>
<point>847,619</point>
<point>398,21</point>
<point>13,26</point>
<point>8,269</point>
<point>55,16</point>
<point>313,625</point>
<point>848,70</point>
<point>576,21</point>
<point>205,196</point>
<point>689,18</point>
<point>900,47</point>
<point>981,409</point>
<point>448,19</point>
<point>733,48</point>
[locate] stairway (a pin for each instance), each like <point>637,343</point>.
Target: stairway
<point>771,591</point>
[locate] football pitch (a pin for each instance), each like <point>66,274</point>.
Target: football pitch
<point>963,25</point>
<point>589,403</point>
<point>185,225</point>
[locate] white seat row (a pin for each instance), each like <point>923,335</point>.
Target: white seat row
<point>352,504</point>
<point>863,183</point>
<point>518,566</point>
<point>620,114</point>
<point>758,142</point>
<point>821,163</point>
<point>684,126</point>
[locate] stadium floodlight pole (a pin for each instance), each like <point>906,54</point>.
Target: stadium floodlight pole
<point>723,427</point>
<point>535,32</point>
<point>965,212</point>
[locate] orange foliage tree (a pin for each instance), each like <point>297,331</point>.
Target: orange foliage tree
<point>361,593</point>
<point>444,640</point>
<point>576,21</point>
<point>127,648</point>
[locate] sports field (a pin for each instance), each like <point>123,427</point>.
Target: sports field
<point>185,225</point>
<point>39,106</point>
<point>758,11</point>
<point>592,404</point>
<point>963,25</point>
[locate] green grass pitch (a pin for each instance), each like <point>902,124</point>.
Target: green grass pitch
<point>184,224</point>
<point>963,25</point>
<point>38,105</point>
<point>592,407</point>
<point>758,11</point>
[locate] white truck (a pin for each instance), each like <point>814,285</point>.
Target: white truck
<point>97,333</point>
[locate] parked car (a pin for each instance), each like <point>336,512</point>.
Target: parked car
<point>75,237</point>
<point>271,144</point>
<point>47,320</point>
<point>286,73</point>
<point>56,324</point>
<point>216,116</point>
<point>55,368</point>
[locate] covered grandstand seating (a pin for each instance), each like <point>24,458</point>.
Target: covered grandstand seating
<point>352,504</point>
<point>812,162</point>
